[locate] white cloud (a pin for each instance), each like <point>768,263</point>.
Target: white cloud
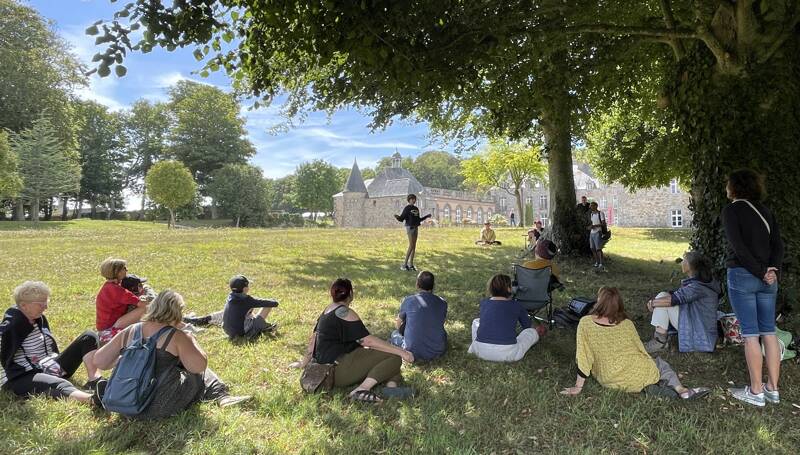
<point>340,141</point>
<point>169,79</point>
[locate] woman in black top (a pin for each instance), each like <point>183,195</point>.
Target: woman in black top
<point>340,337</point>
<point>31,361</point>
<point>755,254</point>
<point>412,220</point>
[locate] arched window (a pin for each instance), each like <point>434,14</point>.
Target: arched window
<point>447,212</point>
<point>458,215</point>
<point>469,214</point>
<point>480,215</point>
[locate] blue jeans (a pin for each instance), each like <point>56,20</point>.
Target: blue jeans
<point>753,301</point>
<point>396,339</point>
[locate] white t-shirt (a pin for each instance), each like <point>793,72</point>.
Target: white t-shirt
<point>597,218</point>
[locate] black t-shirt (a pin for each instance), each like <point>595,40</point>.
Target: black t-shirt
<point>750,243</point>
<point>335,336</point>
<point>411,216</point>
<point>236,309</point>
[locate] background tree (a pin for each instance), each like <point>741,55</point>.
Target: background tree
<point>316,182</point>
<point>146,127</point>
<point>38,72</point>
<point>170,184</point>
<point>505,165</point>
<point>10,181</point>
<point>241,192</point>
<point>281,194</point>
<point>434,168</point>
<point>47,168</point>
<point>102,156</point>
<point>208,131</point>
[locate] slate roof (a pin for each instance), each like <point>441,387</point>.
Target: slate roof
<point>394,181</point>
<point>355,182</point>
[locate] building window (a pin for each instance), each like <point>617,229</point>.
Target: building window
<point>603,203</point>
<point>469,214</point>
<point>618,217</point>
<point>543,202</point>
<point>458,214</point>
<point>590,185</point>
<point>673,186</point>
<point>677,218</point>
<point>480,215</point>
<point>529,201</point>
<point>615,202</point>
<point>543,218</point>
<point>537,184</point>
<point>503,203</point>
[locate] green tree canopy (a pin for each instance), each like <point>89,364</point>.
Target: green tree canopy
<point>241,192</point>
<point>434,168</point>
<point>315,184</point>
<point>505,165</point>
<point>146,126</point>
<point>208,131</point>
<point>10,181</point>
<point>170,184</point>
<point>47,168</point>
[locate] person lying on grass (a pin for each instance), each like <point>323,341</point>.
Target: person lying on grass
<point>420,322</point>
<point>32,363</point>
<point>115,306</point>
<point>488,236</point>
<point>137,286</point>
<point>181,364</point>
<point>239,318</point>
<point>494,333</point>
<point>363,359</point>
<point>691,309</point>
<point>608,347</point>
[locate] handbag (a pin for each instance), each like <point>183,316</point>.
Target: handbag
<point>317,377</point>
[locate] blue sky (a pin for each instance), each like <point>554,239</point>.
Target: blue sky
<point>338,139</point>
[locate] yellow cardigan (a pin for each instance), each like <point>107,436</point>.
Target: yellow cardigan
<point>614,355</point>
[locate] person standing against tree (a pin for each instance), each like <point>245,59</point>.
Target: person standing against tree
<point>412,221</point>
<point>598,219</point>
<point>755,254</point>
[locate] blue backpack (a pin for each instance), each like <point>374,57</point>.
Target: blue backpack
<point>131,388</point>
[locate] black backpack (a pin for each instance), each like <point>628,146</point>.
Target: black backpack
<point>577,308</point>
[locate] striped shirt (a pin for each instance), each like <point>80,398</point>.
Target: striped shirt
<point>36,346</point>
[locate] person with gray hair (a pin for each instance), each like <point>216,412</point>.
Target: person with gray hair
<point>181,364</point>
<point>691,309</point>
<point>31,361</point>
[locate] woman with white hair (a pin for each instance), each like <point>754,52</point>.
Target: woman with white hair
<point>181,364</point>
<point>32,362</point>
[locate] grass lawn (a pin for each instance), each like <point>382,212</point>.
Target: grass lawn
<point>464,405</point>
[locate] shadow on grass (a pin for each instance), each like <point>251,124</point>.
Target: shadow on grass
<point>31,226</point>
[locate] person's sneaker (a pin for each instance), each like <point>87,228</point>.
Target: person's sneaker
<point>404,268</point>
<point>596,264</point>
<point>270,326</point>
<point>744,394</point>
<point>98,390</point>
<point>90,385</point>
<point>199,322</point>
<point>656,345</point>
<point>771,396</point>
<point>189,328</point>
<point>229,400</point>
<point>411,267</point>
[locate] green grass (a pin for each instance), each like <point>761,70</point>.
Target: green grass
<point>464,406</point>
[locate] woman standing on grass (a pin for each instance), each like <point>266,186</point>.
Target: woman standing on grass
<point>755,254</point>
<point>412,221</point>
<point>341,338</point>
<point>31,361</point>
<point>608,347</point>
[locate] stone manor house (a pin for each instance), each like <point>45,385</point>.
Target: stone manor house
<point>374,202</point>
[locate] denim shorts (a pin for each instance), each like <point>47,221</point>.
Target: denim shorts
<point>595,241</point>
<point>753,301</point>
<point>412,231</point>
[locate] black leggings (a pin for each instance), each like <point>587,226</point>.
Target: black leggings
<point>56,387</point>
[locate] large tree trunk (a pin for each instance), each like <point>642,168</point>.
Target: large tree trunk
<point>64,212</point>
<point>520,207</point>
<point>171,222</point>
<point>48,209</point>
<point>556,122</point>
<point>110,209</point>
<point>144,201</point>
<point>78,208</point>
<point>19,210</point>
<point>93,203</point>
<point>35,209</point>
<point>215,210</point>
<point>238,218</point>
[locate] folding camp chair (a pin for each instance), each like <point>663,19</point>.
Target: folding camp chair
<point>534,291</point>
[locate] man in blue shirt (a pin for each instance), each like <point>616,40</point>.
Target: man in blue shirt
<point>420,322</point>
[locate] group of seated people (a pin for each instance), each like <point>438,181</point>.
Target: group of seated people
<point>608,346</point>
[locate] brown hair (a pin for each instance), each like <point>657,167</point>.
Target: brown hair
<point>747,184</point>
<point>498,286</point>
<point>341,289</point>
<point>111,267</point>
<point>609,304</point>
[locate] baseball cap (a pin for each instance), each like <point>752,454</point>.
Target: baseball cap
<point>238,283</point>
<point>132,282</point>
<point>546,249</point>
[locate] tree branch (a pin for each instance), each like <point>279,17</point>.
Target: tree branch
<point>653,32</point>
<point>669,21</point>
<point>782,38</point>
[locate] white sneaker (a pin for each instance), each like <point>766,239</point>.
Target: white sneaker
<point>771,396</point>
<point>596,264</point>
<point>744,394</point>
<point>229,400</point>
<point>189,328</point>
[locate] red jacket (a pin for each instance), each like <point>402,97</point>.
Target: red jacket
<point>111,304</point>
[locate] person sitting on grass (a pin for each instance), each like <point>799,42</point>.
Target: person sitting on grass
<point>239,318</point>
<point>608,347</point>
<point>31,361</point>
<point>115,306</point>
<point>494,333</point>
<point>420,322</point>
<point>691,309</point>
<point>340,337</point>
<point>488,236</point>
<point>137,286</point>
<point>181,365</point>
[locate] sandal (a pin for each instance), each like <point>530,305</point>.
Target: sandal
<point>695,393</point>
<point>365,396</point>
<point>398,392</point>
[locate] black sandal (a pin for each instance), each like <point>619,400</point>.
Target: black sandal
<point>365,396</point>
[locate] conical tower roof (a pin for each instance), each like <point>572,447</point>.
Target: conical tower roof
<point>355,182</point>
